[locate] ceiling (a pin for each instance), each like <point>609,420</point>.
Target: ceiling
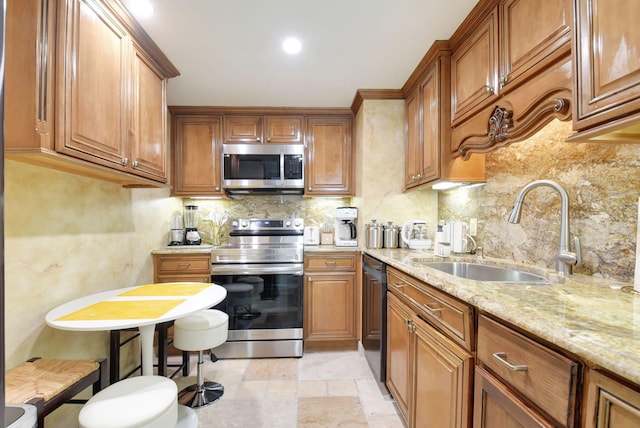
<point>229,52</point>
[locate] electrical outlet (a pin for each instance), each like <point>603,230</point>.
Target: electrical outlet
<point>473,227</point>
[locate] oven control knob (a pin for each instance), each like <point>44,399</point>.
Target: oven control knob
<point>287,223</point>
<point>244,224</point>
<point>297,224</point>
<point>234,224</point>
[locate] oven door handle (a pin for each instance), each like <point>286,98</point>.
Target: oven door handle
<point>252,269</point>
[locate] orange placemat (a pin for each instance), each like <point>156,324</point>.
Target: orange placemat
<point>172,289</point>
<point>123,310</point>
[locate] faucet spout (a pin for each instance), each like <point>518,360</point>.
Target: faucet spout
<point>566,259</point>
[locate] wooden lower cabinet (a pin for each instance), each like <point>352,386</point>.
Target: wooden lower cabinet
<point>495,406</point>
<point>609,404</point>
<point>330,301</point>
<point>428,375</point>
<point>181,268</point>
<point>539,376</point>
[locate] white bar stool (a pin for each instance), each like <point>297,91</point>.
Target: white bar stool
<point>140,402</point>
<point>203,330</point>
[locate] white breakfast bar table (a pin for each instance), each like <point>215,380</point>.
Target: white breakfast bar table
<point>140,307</point>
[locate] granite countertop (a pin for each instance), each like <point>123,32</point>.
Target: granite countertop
<point>183,249</point>
<point>590,317</point>
<point>329,249</point>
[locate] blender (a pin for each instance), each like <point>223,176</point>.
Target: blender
<point>191,225</point>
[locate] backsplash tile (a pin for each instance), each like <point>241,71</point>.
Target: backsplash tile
<point>603,183</point>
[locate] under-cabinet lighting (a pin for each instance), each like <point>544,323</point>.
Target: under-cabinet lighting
<point>446,185</point>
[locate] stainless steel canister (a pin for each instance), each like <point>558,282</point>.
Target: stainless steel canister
<point>374,235</point>
<point>391,235</point>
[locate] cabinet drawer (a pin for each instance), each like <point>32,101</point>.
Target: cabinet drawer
<point>183,264</point>
<point>452,317</point>
<point>325,262</point>
<point>537,373</point>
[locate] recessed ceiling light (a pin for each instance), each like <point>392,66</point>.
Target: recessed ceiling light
<point>292,45</point>
<point>141,8</point>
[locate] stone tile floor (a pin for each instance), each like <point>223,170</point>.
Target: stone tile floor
<point>321,389</point>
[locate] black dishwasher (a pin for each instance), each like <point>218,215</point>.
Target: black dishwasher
<point>374,317</point>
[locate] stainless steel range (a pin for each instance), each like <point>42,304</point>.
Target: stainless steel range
<point>262,270</point>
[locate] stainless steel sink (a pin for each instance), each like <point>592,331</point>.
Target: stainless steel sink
<point>480,272</point>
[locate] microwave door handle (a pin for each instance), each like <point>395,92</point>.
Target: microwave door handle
<point>282,167</point>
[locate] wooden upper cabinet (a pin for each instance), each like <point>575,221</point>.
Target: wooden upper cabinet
<point>93,75</point>
<point>263,129</point>
<point>283,130</point>
<point>511,73</point>
<point>243,129</point>
<point>86,90</point>
<point>329,156</point>
<point>607,70</point>
<point>196,156</point>
<point>149,122</point>
<point>532,33</point>
<point>474,69</point>
<point>413,143</point>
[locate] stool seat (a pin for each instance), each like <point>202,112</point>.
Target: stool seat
<point>203,330</point>
<point>137,402</point>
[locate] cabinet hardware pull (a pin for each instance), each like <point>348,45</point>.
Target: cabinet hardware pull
<point>124,161</point>
<point>184,264</point>
<point>398,284</point>
<point>488,89</point>
<point>432,310</point>
<point>329,262</point>
<point>258,139</point>
<point>503,81</point>
<point>502,357</point>
<point>134,164</point>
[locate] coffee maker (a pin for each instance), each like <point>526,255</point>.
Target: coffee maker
<point>345,233</point>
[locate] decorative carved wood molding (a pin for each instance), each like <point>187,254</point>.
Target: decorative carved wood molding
<point>504,127</point>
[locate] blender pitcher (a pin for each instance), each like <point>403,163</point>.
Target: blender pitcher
<point>191,225</point>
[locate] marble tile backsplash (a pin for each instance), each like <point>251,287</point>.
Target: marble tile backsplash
<point>603,183</point>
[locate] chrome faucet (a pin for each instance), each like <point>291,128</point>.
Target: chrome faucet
<point>566,258</point>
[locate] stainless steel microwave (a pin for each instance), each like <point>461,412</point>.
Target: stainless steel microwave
<point>263,168</point>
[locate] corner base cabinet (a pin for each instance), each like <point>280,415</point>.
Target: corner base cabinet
<point>330,301</point>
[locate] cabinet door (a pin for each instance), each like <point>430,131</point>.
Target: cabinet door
<point>413,141</point>
<point>149,124</point>
<point>283,130</point>
<point>93,78</point>
<point>196,156</point>
<point>430,106</point>
<point>329,156</point>
<point>609,404</point>
<point>442,380</point>
<point>399,353</point>
<point>496,407</point>
<point>474,70</point>
<point>372,317</point>
<point>329,307</point>
<point>533,34</point>
<point>243,129</point>
<point>607,64</point>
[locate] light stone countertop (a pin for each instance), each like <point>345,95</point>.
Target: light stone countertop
<point>329,249</point>
<point>183,249</point>
<point>587,316</point>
